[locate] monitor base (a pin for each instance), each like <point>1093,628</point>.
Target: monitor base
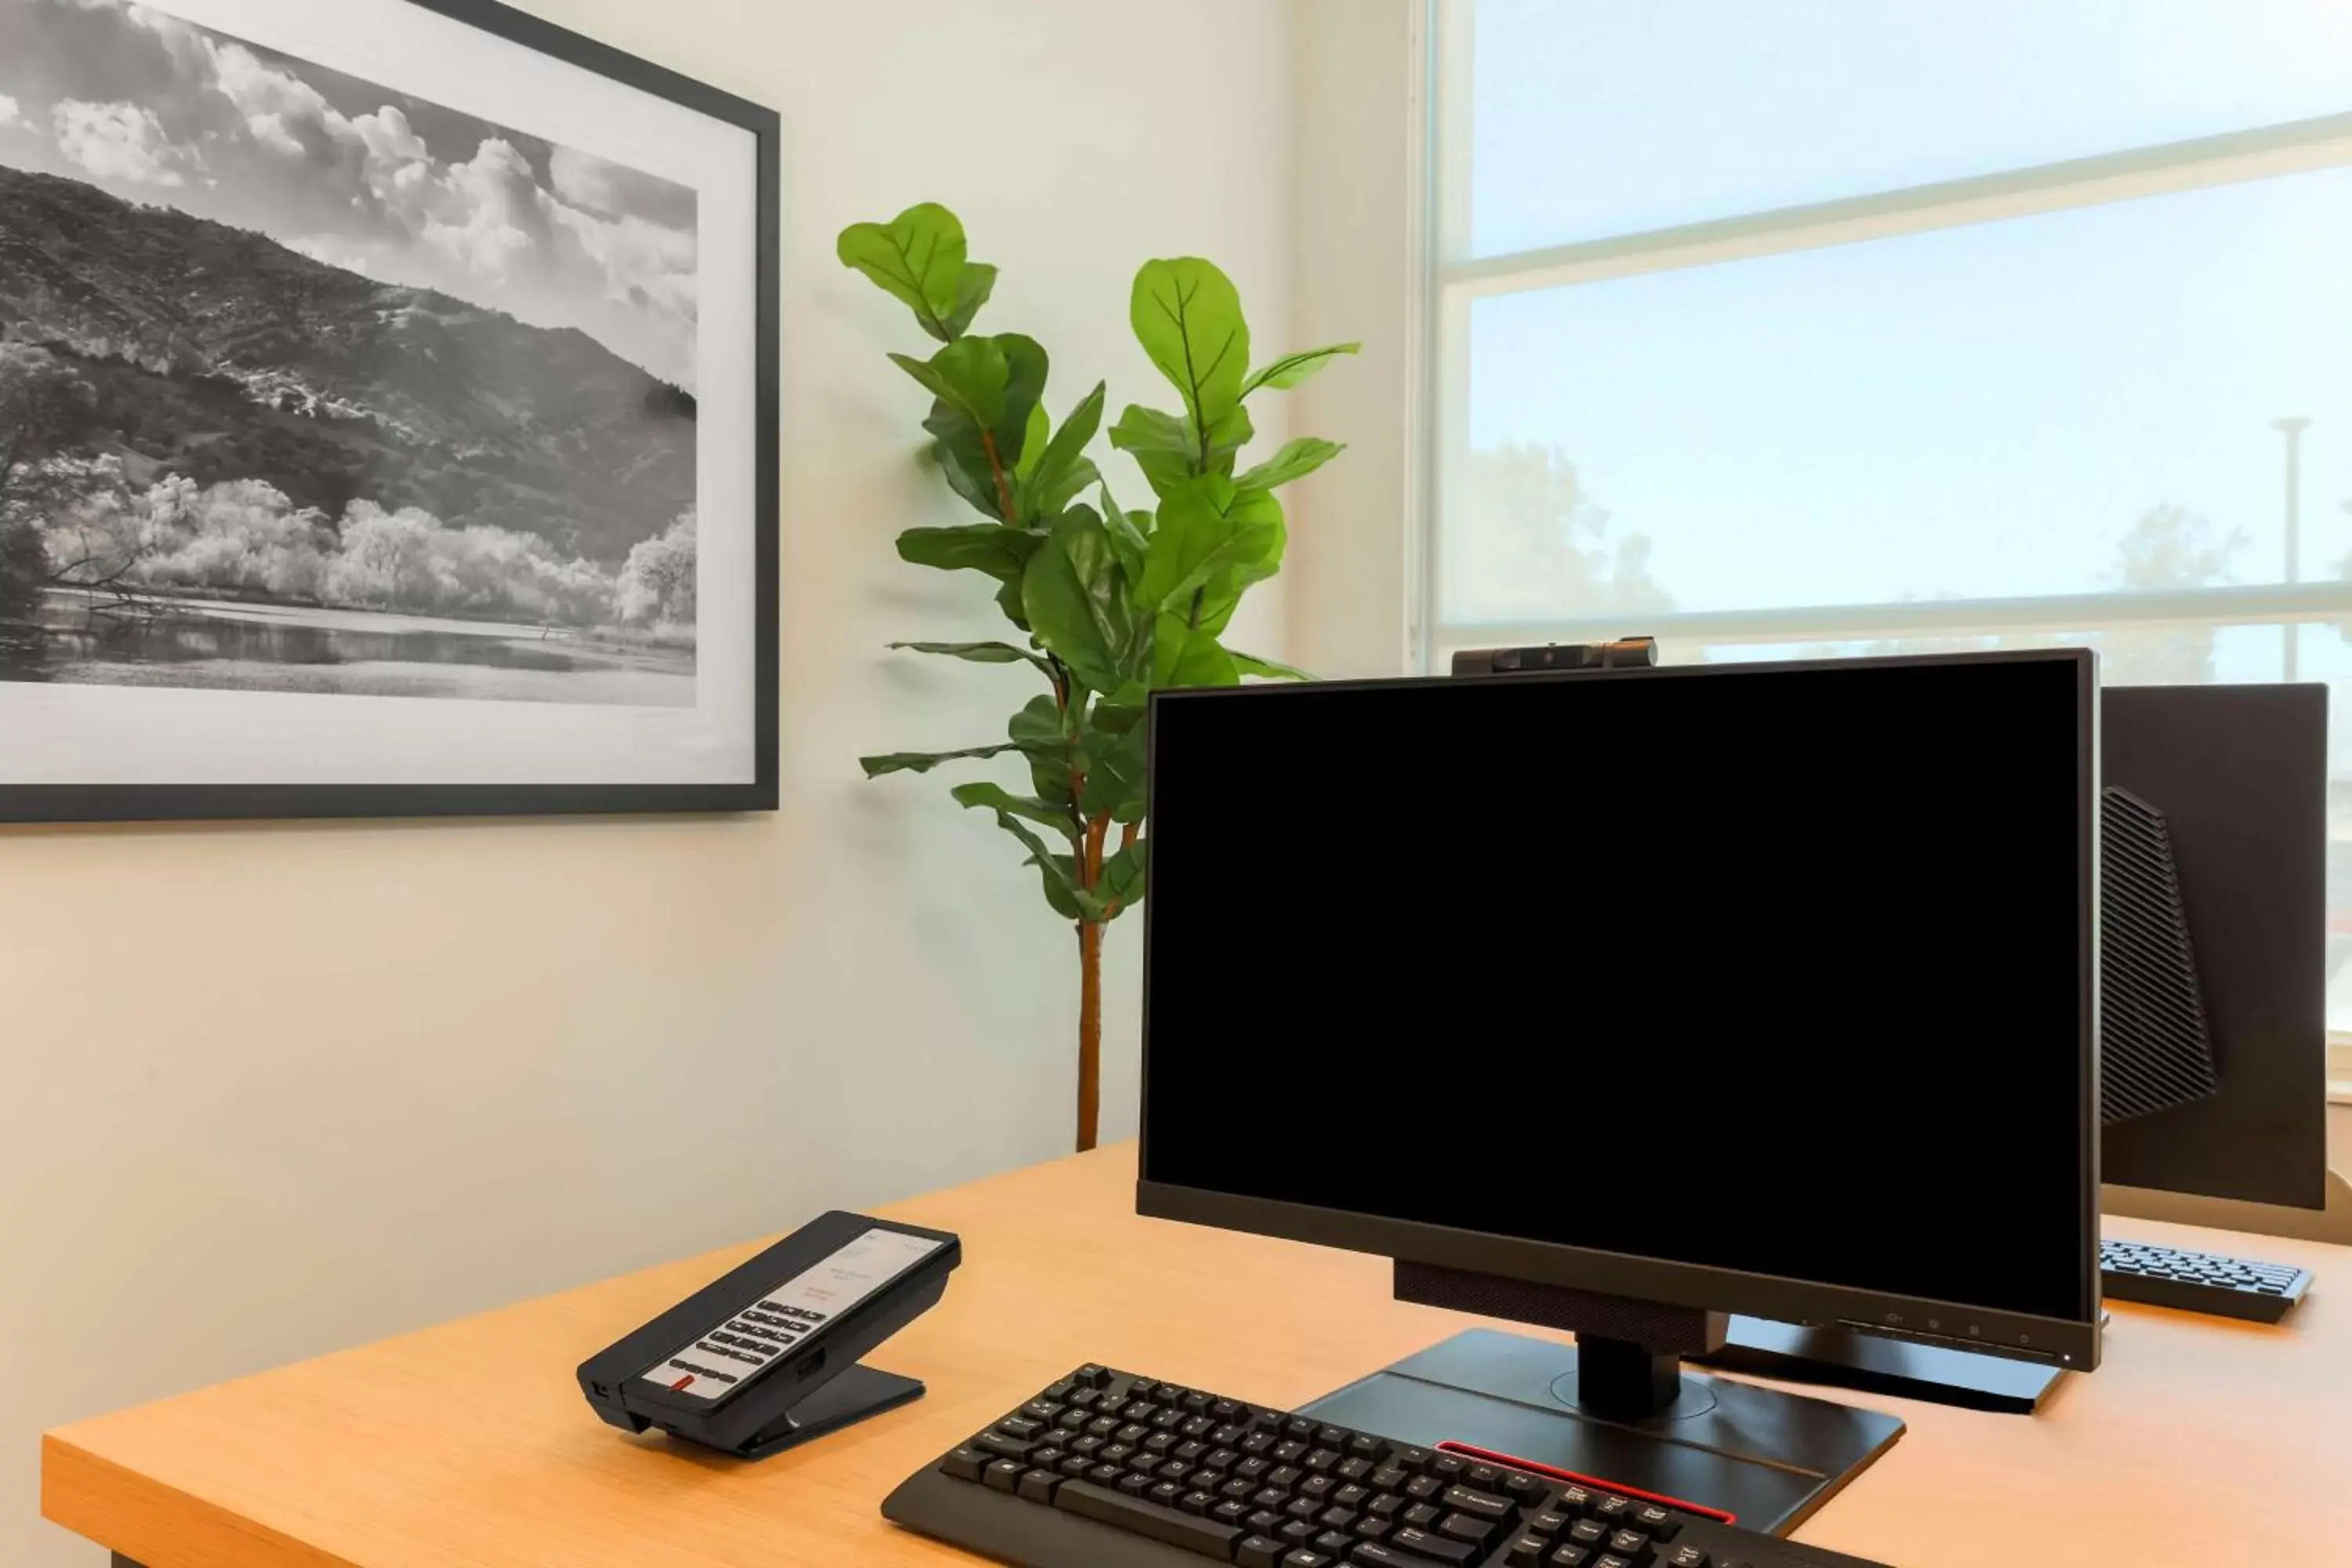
<point>1768,1457</point>
<point>1844,1359</point>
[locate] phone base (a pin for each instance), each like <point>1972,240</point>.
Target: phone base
<point>844,1401</point>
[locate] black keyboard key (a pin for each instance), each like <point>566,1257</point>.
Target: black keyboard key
<point>1526,1552</point>
<point>1299,1531</point>
<point>1225,1410</point>
<point>1230,1512</point>
<point>966,1463</point>
<point>1406,1456</point>
<point>1020,1427</point>
<point>1134,1486</point>
<point>1628,1543</point>
<point>1197,1403</point>
<point>1446,1467</point>
<point>1039,1486</point>
<point>1334,1543</point>
<point>1165,1493</point>
<point>1352,1470</point>
<point>1364,1445</point>
<point>1319,1486</point>
<point>1285,1476</point>
<point>1421,1515</point>
<point>1465,1527</point>
<point>1614,1510</point>
<point>1611,1559</point>
<point>1205,1536</point>
<point>1387,1479</point>
<point>1436,1548</point>
<point>1381,1554</point>
<point>1588,1532</point>
<point>1462,1499</point>
<point>1076,1464</point>
<point>1338,1518</point>
<point>1486,1478</point>
<point>1004,1474</point>
<point>1332,1436</point>
<point>1302,1558</point>
<point>1237,1489</point>
<point>1658,1523</point>
<point>1072,1420</point>
<point>1091,1376</point>
<point>1570,1557</point>
<point>1258,1552</point>
<point>1105,1475</point>
<point>1683,1557</point>
<point>1523,1488</point>
<point>1548,1521</point>
<point>1197,1502</point>
<point>1351,1496</point>
<point>1005,1448</point>
<point>1385,1506</point>
<point>1420,1488</point>
<point>1321,1460</point>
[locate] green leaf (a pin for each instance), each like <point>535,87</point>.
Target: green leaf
<point>977,282</point>
<point>1115,773</point>
<point>924,761</point>
<point>1250,664</point>
<point>1068,899</point>
<point>918,259</point>
<point>1121,885</point>
<point>996,797</point>
<point>1074,595</point>
<point>1291,369</point>
<point>970,375</point>
<point>1125,538</point>
<point>1169,449</point>
<point>1183,654</point>
<point>1032,442</point>
<point>1210,527</point>
<point>962,458</point>
<point>1026,367</point>
<point>1002,552</point>
<point>1037,730</point>
<point>1188,317</point>
<point>1295,461</point>
<point>1061,471</point>
<point>977,652</point>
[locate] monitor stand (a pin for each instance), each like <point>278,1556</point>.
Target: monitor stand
<point>1876,1364</point>
<point>1616,1409</point>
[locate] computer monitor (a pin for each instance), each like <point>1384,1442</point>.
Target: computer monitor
<point>1624,1000</point>
<point>2231,782</point>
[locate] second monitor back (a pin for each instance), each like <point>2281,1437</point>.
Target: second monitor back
<point>2240,775</point>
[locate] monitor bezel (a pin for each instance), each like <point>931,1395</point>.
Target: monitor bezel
<point>2073,1343</point>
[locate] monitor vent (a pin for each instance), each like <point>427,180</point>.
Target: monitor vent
<point>2154,1050</point>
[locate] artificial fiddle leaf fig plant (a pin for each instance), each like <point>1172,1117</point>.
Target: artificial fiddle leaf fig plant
<point>1106,605</point>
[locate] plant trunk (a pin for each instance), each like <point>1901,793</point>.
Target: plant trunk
<point>1089,1032</point>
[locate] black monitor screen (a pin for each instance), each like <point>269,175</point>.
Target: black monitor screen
<point>1780,969</point>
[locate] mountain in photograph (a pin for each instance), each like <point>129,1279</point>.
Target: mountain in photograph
<point>219,354</point>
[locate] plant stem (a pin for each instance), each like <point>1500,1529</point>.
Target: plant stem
<point>1090,1032</point>
<point>996,470</point>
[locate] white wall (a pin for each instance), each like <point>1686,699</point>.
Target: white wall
<point>1357,125</point>
<point>280,1089</point>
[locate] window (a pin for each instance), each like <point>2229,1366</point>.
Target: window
<point>1829,326</point>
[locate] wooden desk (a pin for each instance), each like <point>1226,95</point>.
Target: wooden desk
<point>2199,1441</point>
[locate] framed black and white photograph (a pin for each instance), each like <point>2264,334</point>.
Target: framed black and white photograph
<point>388,416</point>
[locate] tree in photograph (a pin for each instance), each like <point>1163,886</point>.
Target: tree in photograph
<point>45,409</point>
<point>657,584</point>
<point>1534,547</point>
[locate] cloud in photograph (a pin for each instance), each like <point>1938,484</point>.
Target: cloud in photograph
<point>155,108</point>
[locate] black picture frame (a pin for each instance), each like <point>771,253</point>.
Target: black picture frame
<point>94,803</point>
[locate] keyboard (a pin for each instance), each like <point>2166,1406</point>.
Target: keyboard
<point>1113,1470</point>
<point>2199,1281</point>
